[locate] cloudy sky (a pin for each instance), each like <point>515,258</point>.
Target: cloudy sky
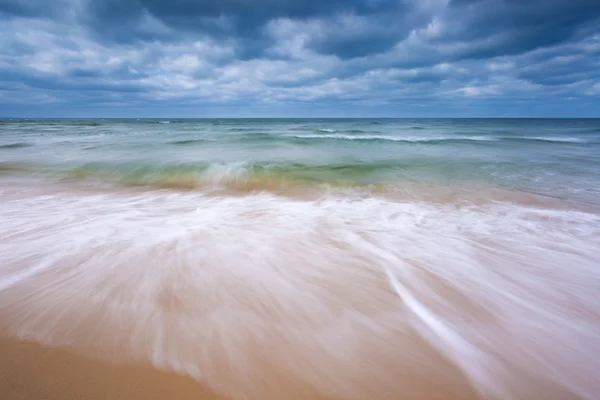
<point>228,58</point>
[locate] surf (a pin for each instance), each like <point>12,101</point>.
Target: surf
<point>222,289</point>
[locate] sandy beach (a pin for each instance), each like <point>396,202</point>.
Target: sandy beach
<point>31,372</point>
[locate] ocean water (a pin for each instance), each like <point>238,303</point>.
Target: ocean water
<point>284,258</point>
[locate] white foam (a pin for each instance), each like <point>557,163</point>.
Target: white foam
<point>412,139</point>
<point>356,298</point>
<point>555,139</point>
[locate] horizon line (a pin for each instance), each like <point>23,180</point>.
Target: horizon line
<point>200,118</point>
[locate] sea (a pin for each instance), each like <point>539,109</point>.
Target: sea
<point>311,258</point>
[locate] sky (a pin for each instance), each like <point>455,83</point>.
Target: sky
<point>299,58</point>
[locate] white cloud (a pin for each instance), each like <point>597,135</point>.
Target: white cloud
<point>501,66</point>
<point>593,89</point>
<point>475,91</point>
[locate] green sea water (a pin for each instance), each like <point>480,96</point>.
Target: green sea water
<point>559,158</point>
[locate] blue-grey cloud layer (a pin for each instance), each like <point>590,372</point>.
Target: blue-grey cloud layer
<point>289,57</point>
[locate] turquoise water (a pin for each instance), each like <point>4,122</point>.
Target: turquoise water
<point>559,158</point>
<point>353,259</point>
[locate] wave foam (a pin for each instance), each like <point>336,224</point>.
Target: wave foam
<point>413,139</point>
<point>345,297</point>
<point>435,139</point>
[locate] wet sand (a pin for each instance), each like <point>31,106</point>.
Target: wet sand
<point>31,372</point>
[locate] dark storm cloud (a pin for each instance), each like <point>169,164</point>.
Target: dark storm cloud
<point>245,21</point>
<point>266,9</point>
<point>34,8</point>
<point>491,27</point>
<point>21,8</point>
<point>514,26</point>
<point>90,85</point>
<point>243,13</point>
<point>280,53</point>
<point>560,70</point>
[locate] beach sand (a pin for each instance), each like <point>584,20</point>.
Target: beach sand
<point>31,372</point>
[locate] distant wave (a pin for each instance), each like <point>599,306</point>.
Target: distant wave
<point>434,139</point>
<point>326,130</point>
<point>157,121</point>
<point>414,139</point>
<point>84,122</point>
<point>240,176</point>
<point>555,139</point>
<point>187,142</point>
<point>19,145</point>
<point>45,122</point>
